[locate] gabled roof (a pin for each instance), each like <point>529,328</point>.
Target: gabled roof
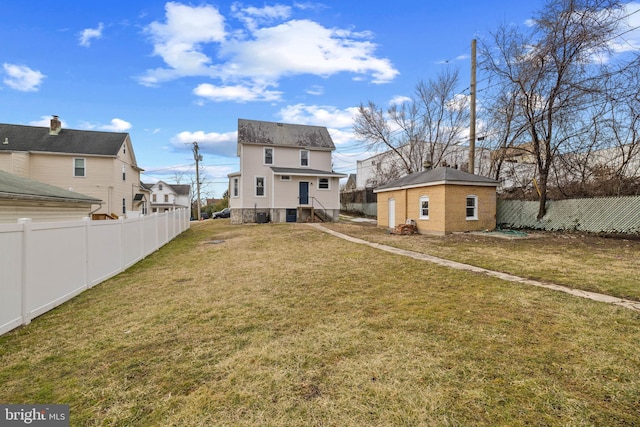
<point>16,187</point>
<point>437,176</point>
<point>68,141</point>
<point>181,189</point>
<point>281,134</point>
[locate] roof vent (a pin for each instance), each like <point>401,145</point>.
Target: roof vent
<point>55,126</point>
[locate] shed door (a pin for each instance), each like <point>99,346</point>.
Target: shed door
<point>392,213</point>
<point>304,193</point>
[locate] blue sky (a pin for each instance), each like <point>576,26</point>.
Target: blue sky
<point>170,73</point>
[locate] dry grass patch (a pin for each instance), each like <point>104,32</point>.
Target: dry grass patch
<point>605,265</point>
<point>283,325</point>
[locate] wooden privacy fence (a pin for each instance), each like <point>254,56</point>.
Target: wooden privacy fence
<point>598,215</point>
<point>45,264</point>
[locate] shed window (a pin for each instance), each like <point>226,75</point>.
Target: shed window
<point>323,183</point>
<point>472,207</point>
<point>424,207</point>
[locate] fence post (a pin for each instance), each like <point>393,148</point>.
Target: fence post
<point>87,223</point>
<point>26,237</point>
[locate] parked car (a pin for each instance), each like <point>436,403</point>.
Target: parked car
<point>224,213</point>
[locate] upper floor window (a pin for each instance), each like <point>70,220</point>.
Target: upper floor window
<point>268,155</point>
<point>304,157</point>
<point>472,207</point>
<point>124,173</point>
<point>424,207</point>
<point>79,167</point>
<point>160,187</point>
<point>323,183</point>
<point>154,198</point>
<point>260,186</point>
<point>124,206</point>
<point>166,198</point>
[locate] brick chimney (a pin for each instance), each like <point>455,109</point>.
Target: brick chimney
<point>55,127</point>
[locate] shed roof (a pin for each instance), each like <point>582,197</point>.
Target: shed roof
<point>305,172</point>
<point>281,134</point>
<point>16,187</point>
<point>70,141</point>
<point>437,176</point>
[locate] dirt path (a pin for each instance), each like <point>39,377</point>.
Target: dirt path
<point>633,305</point>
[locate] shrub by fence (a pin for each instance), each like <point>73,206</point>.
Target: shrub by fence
<point>596,215</point>
<point>46,264</point>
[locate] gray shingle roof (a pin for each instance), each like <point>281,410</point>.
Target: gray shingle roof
<point>272,133</point>
<point>444,175</point>
<point>35,138</point>
<point>16,187</point>
<point>305,172</point>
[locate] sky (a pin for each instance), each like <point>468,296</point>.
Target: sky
<point>178,72</point>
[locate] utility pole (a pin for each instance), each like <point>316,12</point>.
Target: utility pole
<point>472,114</point>
<point>197,157</point>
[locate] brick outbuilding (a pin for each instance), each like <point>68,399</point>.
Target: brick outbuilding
<point>440,201</point>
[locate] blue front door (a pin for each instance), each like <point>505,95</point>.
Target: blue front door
<point>304,193</point>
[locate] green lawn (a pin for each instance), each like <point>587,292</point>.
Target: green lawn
<point>284,325</point>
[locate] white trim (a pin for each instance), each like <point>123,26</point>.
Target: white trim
<point>308,158</point>
<point>264,186</point>
<point>84,167</point>
<point>328,184</point>
<point>264,156</point>
<point>421,199</point>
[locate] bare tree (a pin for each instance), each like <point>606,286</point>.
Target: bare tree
<point>416,132</point>
<point>552,73</point>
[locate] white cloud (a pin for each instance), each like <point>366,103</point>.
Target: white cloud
<point>117,125</point>
<point>180,39</point>
<point>236,93</point>
<point>22,78</point>
<point>399,100</point>
<point>90,33</point>
<point>221,144</point>
<point>316,115</point>
<point>315,90</point>
<point>45,121</point>
<point>193,42</point>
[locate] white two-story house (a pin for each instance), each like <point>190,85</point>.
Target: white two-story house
<point>285,174</point>
<point>168,197</point>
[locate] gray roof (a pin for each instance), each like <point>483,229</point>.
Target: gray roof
<point>71,141</point>
<point>441,175</point>
<point>16,187</point>
<point>272,133</point>
<point>305,172</point>
<point>182,189</point>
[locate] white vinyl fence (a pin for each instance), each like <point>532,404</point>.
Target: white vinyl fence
<point>43,264</point>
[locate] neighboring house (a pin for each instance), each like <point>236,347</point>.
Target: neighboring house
<point>351,183</point>
<point>383,167</point>
<point>98,164</point>
<point>440,201</point>
<point>285,174</point>
<point>168,197</point>
<point>25,198</point>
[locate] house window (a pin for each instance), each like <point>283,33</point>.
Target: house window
<point>154,198</point>
<point>323,183</point>
<point>424,207</point>
<point>124,173</point>
<point>268,156</point>
<point>285,178</point>
<point>235,187</point>
<point>260,186</point>
<point>79,168</point>
<point>472,207</point>
<point>160,187</point>
<point>124,206</point>
<point>166,198</point>
<point>304,157</point>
